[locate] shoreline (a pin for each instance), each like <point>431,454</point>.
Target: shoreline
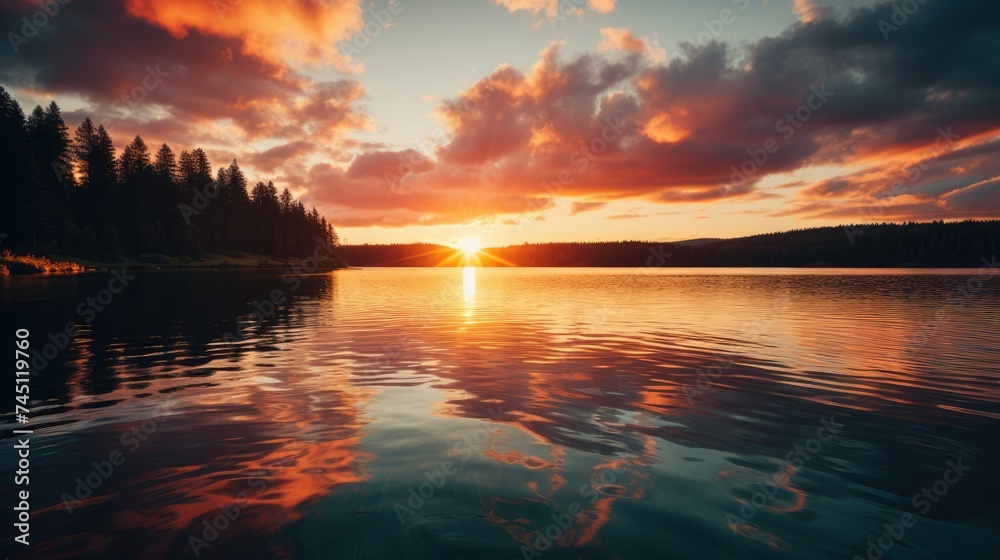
<point>66,265</point>
<point>212,266</point>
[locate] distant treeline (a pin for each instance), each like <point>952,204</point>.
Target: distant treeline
<point>75,197</point>
<point>933,244</point>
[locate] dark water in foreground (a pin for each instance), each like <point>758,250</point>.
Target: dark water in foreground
<point>512,413</point>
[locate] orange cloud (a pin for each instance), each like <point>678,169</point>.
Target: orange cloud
<point>621,39</point>
<point>600,127</point>
<point>908,187</point>
<point>602,6</point>
<point>580,207</point>
<point>550,7</point>
<point>555,8</point>
<point>296,30</point>
<point>661,128</point>
<point>807,10</point>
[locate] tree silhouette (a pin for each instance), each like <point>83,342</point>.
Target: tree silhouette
<point>165,164</point>
<point>94,156</point>
<point>74,197</point>
<point>933,244</point>
<point>49,178</point>
<point>16,211</point>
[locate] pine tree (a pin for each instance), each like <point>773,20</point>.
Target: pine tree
<point>103,176</point>
<point>165,164</point>
<point>15,178</point>
<point>52,175</point>
<point>186,171</point>
<point>180,239</point>
<point>266,214</point>
<point>57,191</point>
<point>48,137</point>
<point>135,162</point>
<point>84,142</point>
<point>203,169</point>
<point>136,209</point>
<point>238,230</point>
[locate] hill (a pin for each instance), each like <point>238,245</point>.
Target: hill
<point>931,244</point>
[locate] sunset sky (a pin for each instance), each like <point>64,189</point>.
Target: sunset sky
<point>427,120</point>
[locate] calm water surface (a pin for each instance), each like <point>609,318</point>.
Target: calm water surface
<point>513,413</point>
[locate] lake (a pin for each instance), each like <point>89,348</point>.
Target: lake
<point>511,413</point>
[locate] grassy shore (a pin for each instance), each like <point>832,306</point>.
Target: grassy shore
<point>58,264</point>
<point>30,264</point>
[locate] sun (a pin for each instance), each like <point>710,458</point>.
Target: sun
<point>469,245</point>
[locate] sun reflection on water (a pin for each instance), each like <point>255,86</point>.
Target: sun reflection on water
<point>469,287</point>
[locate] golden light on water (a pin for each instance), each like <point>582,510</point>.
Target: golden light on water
<point>469,284</point>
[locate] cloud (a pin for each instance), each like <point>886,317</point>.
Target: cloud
<point>594,126</point>
<point>806,10</point>
<point>269,160</point>
<point>549,7</point>
<point>580,207</point>
<point>209,89</point>
<point>389,166</point>
<point>620,38</point>
<point>329,109</point>
<point>953,182</point>
<point>591,127</point>
<point>297,30</point>
<point>554,9</point>
<point>602,6</point>
<point>627,216</point>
